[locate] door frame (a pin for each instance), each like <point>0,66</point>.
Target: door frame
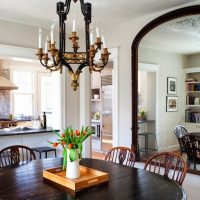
<point>191,10</point>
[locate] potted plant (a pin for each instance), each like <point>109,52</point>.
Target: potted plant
<point>142,115</point>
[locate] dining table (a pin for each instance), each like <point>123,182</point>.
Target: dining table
<point>195,133</point>
<point>25,182</point>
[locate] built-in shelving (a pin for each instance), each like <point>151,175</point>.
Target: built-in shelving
<point>192,105</point>
<point>192,92</point>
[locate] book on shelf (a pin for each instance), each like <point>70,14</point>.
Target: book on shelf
<point>190,100</point>
<point>192,117</point>
<point>193,87</point>
<point>190,80</point>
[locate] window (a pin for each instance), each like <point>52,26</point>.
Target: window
<point>24,96</point>
<point>45,95</point>
<point>33,96</point>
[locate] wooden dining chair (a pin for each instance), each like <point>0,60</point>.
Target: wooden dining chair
<point>168,164</point>
<point>121,155</point>
<point>192,148</point>
<point>180,131</point>
<point>15,155</point>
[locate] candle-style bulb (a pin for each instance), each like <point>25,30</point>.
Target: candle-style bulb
<point>74,24</point>
<point>97,30</point>
<point>52,33</point>
<point>46,45</point>
<point>103,40</point>
<point>40,38</point>
<point>91,35</point>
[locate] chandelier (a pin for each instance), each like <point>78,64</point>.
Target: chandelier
<point>60,57</point>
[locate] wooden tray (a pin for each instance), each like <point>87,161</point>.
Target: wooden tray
<point>88,177</point>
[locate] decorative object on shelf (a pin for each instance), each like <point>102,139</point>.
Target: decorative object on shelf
<point>171,104</point>
<point>96,96</point>
<point>171,85</point>
<point>142,115</point>
<point>72,140</point>
<point>61,57</point>
<point>96,115</point>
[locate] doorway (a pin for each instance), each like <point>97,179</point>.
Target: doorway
<point>147,109</point>
<point>102,111</point>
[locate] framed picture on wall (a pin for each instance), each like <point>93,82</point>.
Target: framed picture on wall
<point>171,85</point>
<point>171,104</point>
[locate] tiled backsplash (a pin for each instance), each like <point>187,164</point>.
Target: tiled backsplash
<point>5,97</point>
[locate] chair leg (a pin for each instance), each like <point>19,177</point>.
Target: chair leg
<point>188,163</point>
<point>55,153</point>
<point>194,165</point>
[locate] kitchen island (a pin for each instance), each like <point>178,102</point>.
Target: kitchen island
<point>29,137</point>
<point>24,131</point>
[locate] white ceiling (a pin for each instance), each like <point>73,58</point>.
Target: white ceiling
<point>180,36</point>
<point>42,13</point>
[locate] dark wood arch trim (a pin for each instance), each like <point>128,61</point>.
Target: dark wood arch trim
<point>192,10</point>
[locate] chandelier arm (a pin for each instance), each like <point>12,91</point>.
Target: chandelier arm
<point>81,66</point>
<point>83,7</point>
<point>43,64</point>
<point>59,67</point>
<point>64,35</point>
<point>88,9</point>
<point>67,65</point>
<point>62,18</point>
<point>52,67</point>
<point>54,62</point>
<point>98,68</point>
<point>67,5</point>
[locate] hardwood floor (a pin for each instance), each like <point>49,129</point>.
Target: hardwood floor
<point>97,155</point>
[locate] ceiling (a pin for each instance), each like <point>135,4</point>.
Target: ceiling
<point>181,35</point>
<point>42,13</point>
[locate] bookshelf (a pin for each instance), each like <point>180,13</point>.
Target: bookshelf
<point>192,92</point>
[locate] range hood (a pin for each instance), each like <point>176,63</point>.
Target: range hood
<point>6,84</point>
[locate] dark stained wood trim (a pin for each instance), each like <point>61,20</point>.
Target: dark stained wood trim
<point>192,10</point>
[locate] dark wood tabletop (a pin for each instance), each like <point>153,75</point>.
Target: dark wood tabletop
<point>195,133</point>
<point>25,182</point>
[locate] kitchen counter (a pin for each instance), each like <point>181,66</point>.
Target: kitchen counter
<point>25,131</point>
<point>29,137</point>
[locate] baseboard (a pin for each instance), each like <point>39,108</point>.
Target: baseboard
<point>169,148</point>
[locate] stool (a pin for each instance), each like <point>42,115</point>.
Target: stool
<point>41,150</point>
<point>146,143</point>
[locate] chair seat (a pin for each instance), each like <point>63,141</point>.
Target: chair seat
<point>44,149</point>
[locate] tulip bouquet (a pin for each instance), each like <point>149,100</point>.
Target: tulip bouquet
<point>72,139</point>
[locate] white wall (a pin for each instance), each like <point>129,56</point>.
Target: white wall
<point>170,65</point>
<point>193,61</point>
<point>147,93</point>
<point>151,95</point>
